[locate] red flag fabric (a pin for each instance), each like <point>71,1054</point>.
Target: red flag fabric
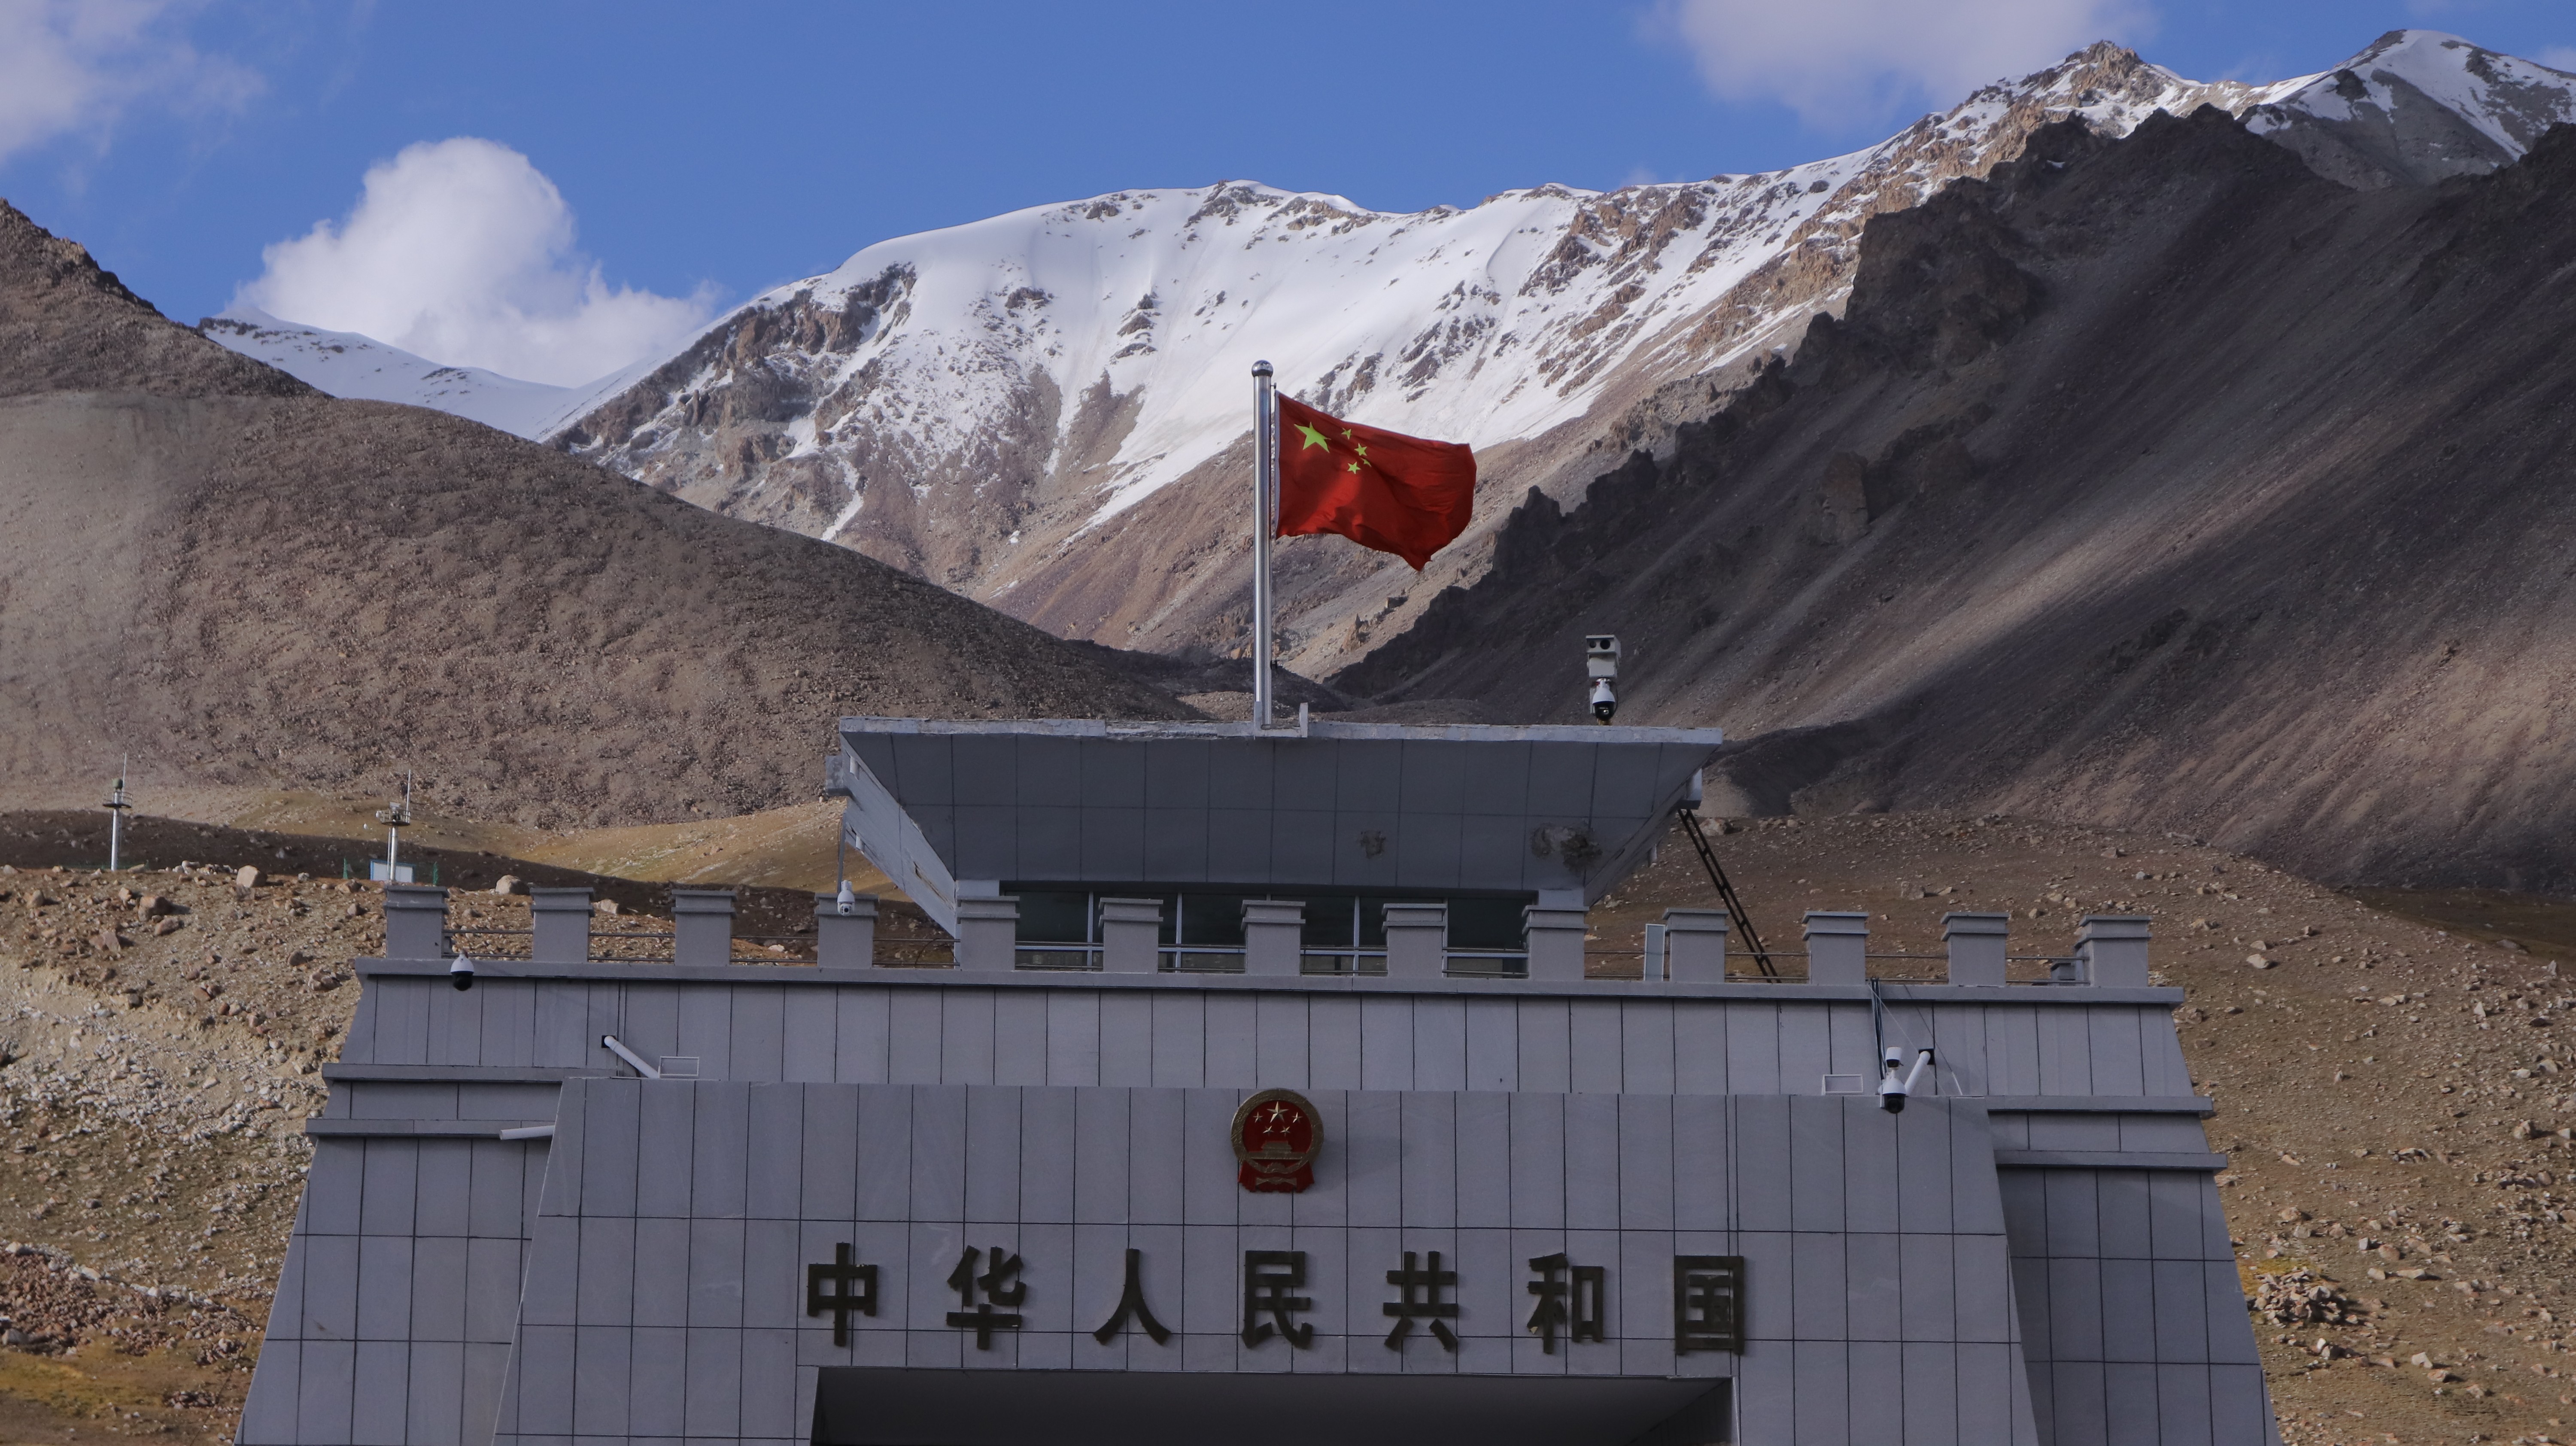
<point>1378,488</point>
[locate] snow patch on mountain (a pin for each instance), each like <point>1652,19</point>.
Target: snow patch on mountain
<point>1480,324</point>
<point>2416,106</point>
<point>1053,368</point>
<point>346,364</point>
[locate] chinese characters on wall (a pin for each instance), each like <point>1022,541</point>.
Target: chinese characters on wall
<point>1570,1301</point>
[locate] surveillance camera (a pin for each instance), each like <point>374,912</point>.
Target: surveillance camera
<point>1894,1088</point>
<point>848,902</point>
<point>1601,664</point>
<point>461,973</point>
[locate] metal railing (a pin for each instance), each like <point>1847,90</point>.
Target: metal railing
<point>624,946</point>
<point>2050,970</point>
<point>1313,963</point>
<point>901,947</point>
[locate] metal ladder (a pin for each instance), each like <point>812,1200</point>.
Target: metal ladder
<point>1735,913</point>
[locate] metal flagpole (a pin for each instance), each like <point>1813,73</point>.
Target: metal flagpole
<point>1264,486</point>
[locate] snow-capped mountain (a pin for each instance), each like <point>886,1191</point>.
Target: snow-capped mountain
<point>346,364</point>
<point>2415,106</point>
<point>1049,410</point>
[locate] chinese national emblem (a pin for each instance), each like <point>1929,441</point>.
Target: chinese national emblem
<point>1277,1135</point>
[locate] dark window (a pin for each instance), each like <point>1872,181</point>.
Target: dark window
<point>1343,932</point>
<point>1485,923</point>
<point>1338,927</point>
<point>1211,921</point>
<point>1331,921</point>
<point>1372,923</point>
<point>1055,918</point>
<point>1340,921</point>
<point>1171,930</point>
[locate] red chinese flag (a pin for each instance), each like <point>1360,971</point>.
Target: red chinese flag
<point>1380,489</point>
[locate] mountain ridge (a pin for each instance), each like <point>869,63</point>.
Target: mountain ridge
<point>2157,482</point>
<point>67,324</point>
<point>1046,410</point>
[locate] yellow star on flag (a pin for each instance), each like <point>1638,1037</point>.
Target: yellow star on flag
<point>1315,438</point>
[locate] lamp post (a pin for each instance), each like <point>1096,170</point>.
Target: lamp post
<point>116,806</point>
<point>396,818</point>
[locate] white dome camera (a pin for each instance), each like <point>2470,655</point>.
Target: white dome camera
<point>1601,665</point>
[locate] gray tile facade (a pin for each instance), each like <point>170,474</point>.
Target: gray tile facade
<point>938,1027</point>
<point>1897,1247</point>
<point>399,1301</point>
<point>1977,1268</point>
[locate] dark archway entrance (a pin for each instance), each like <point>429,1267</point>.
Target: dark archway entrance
<point>858,1406</point>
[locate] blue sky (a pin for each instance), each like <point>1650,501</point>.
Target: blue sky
<point>706,152</point>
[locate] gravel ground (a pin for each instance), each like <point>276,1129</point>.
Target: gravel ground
<point>162,1031</point>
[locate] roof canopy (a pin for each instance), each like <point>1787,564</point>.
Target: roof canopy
<point>1564,811</point>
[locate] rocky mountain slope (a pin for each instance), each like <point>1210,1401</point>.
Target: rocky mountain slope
<point>240,582</point>
<point>1048,410</point>
<point>2157,482</point>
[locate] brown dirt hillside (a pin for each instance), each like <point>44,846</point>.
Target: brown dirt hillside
<point>245,584</point>
<point>2157,483</point>
<point>66,325</point>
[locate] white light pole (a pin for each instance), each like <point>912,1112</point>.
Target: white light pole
<point>395,819</point>
<point>116,806</point>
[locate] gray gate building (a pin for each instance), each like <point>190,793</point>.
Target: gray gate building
<point>1266,1100</point>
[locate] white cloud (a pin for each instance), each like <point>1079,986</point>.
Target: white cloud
<point>1844,63</point>
<point>74,66</point>
<point>461,251</point>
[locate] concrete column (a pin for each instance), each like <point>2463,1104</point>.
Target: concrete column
<point>1417,940</point>
<point>1653,971</point>
<point>1131,935</point>
<point>1554,939</point>
<point>1695,946</point>
<point>1976,945</point>
<point>988,933</point>
<point>1837,948</point>
<point>845,941</point>
<point>1274,933</point>
<point>702,926</point>
<point>415,922</point>
<point>2113,949</point>
<point>561,918</point>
